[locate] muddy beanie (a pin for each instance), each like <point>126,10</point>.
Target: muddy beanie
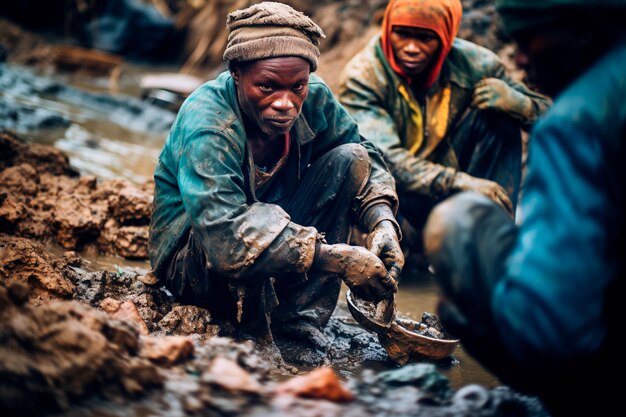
<point>269,30</point>
<point>525,16</point>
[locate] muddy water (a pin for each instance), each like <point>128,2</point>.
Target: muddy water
<point>416,296</point>
<point>106,146</point>
<point>105,133</point>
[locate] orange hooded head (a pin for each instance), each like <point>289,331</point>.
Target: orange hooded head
<point>441,16</point>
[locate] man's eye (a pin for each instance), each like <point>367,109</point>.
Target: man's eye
<point>298,87</point>
<point>265,87</point>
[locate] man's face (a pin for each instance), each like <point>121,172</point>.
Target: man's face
<point>553,59</point>
<point>271,92</point>
<point>414,48</point>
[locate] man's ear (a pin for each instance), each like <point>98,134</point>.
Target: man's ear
<point>235,73</point>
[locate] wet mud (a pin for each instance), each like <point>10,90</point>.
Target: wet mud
<point>68,358</point>
<point>43,197</point>
<point>24,94</point>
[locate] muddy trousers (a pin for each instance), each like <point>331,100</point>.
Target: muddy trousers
<point>323,199</point>
<point>478,238</point>
<point>487,145</point>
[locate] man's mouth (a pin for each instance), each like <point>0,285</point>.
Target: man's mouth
<point>413,65</point>
<point>280,121</point>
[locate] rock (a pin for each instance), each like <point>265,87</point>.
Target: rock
<point>166,350</point>
<point>11,212</point>
<point>25,261</point>
<point>126,311</point>
<point>472,397</point>
<point>421,375</point>
<point>186,320</point>
<point>229,375</point>
<point>131,242</point>
<point>321,383</point>
<point>148,279</point>
<point>44,159</point>
<point>54,355</point>
<point>71,258</point>
<point>75,221</point>
<point>127,202</point>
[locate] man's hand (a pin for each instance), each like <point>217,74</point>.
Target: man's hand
<point>383,242</point>
<point>494,93</point>
<point>490,189</point>
<point>359,268</point>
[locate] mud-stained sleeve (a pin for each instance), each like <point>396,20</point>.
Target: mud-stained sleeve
<point>238,239</point>
<point>364,102</point>
<point>539,102</point>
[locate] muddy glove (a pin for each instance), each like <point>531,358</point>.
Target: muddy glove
<point>359,268</point>
<point>383,242</point>
<point>490,189</point>
<point>493,93</point>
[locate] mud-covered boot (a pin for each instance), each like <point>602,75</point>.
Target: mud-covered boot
<point>302,343</point>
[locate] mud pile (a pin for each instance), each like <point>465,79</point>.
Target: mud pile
<point>66,358</point>
<point>42,197</point>
<point>63,351</point>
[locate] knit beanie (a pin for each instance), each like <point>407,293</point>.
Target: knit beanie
<point>269,30</point>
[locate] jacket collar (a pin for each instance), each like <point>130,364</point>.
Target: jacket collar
<point>302,131</point>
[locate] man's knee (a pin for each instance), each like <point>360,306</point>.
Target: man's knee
<point>351,159</point>
<point>453,218</point>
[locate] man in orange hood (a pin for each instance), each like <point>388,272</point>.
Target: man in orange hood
<point>441,109</point>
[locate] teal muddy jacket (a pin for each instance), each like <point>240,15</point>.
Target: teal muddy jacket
<point>204,181</point>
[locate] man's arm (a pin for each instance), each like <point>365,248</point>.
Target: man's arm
<point>500,92</point>
<point>239,240</point>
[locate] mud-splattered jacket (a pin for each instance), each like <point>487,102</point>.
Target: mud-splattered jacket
<point>205,181</point>
<point>410,130</point>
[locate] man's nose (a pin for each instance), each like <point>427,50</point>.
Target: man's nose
<point>283,103</point>
<point>412,47</point>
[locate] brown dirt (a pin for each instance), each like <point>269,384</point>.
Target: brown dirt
<point>42,197</point>
<point>63,351</point>
<point>124,344</point>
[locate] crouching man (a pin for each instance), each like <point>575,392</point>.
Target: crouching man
<point>259,183</point>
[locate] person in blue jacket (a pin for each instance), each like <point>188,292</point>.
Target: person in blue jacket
<point>538,303</point>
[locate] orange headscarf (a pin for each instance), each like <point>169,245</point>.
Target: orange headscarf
<point>441,16</point>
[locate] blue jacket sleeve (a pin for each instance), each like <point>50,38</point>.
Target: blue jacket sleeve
<point>549,304</point>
